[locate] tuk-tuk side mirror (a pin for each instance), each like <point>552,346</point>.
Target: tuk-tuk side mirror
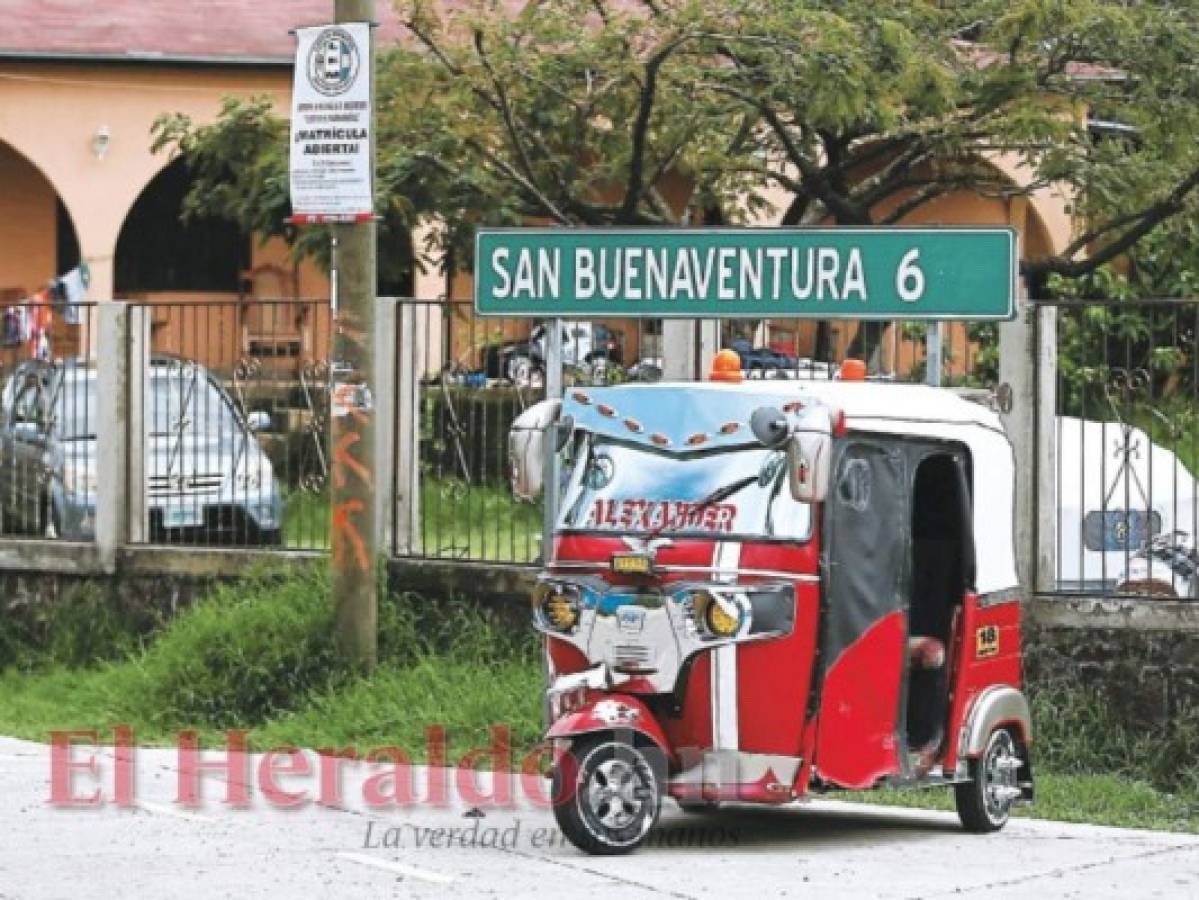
<point>527,447</point>
<point>809,457</point>
<point>770,427</point>
<point>809,445</point>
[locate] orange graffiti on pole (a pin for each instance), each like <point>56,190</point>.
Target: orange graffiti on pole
<point>343,458</point>
<point>346,535</point>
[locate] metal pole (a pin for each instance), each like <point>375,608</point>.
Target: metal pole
<point>553,391</point>
<point>354,538</point>
<point>932,344</point>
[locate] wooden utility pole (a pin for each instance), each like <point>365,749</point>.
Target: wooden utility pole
<point>354,539</point>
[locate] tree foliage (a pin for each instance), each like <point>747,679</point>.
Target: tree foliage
<point>662,112</point>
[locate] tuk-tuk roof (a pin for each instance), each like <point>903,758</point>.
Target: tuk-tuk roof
<point>673,416</point>
<point>693,416</point>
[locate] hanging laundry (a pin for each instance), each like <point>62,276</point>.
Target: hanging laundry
<point>71,289</point>
<point>41,320</point>
<point>11,327</point>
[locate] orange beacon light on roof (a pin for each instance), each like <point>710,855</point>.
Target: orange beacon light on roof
<point>726,366</point>
<point>853,370</point>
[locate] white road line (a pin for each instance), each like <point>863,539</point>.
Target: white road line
<point>163,809</point>
<point>398,867</point>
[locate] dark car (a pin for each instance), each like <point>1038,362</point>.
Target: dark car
<point>582,344</point>
<point>762,359</point>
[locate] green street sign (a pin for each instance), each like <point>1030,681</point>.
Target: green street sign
<point>817,273</point>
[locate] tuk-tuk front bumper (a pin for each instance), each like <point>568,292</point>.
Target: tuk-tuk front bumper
<point>589,701</point>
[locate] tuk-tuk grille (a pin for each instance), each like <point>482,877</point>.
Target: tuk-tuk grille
<point>631,653</point>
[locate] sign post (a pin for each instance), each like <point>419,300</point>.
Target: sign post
<point>332,182</point>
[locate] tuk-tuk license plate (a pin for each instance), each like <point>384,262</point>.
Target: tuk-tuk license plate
<point>632,564</point>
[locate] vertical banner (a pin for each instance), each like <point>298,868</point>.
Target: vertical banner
<point>330,167</point>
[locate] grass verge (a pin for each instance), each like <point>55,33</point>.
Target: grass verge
<point>260,656</point>
<point>1112,800</point>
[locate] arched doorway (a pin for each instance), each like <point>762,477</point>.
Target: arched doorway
<point>160,253</point>
<point>38,243</point>
<point>37,235</point>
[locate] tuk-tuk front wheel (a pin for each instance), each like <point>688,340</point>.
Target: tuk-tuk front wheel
<point>608,793</point>
<point>985,801</point>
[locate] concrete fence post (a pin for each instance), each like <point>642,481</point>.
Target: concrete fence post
<point>140,348</point>
<point>1028,369</point>
<point>933,354</point>
<point>678,349</point>
<point>112,436</point>
<point>709,346</point>
<point>1045,546</point>
<point>407,431</point>
<point>385,361</point>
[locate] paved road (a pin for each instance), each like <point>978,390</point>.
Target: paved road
<point>822,849</point>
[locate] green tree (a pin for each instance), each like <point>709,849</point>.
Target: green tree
<point>592,112</point>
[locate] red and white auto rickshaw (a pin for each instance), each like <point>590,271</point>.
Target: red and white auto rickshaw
<point>764,590</point>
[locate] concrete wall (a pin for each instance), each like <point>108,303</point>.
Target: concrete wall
<point>1142,656</point>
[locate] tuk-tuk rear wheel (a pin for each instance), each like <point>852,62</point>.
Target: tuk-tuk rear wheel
<point>984,803</point>
<point>608,793</point>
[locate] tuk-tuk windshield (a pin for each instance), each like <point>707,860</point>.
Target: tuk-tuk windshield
<point>736,493</point>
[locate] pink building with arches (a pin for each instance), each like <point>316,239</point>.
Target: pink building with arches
<point>80,89</point>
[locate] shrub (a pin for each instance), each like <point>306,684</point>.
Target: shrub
<point>1076,732</point>
<point>265,646</point>
<point>87,624</point>
<point>248,651</point>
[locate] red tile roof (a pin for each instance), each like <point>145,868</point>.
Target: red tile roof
<point>237,31</point>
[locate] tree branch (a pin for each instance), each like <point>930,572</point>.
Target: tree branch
<point>505,108</point>
<point>813,178</point>
<point>645,107</point>
<point>1146,220</point>
<point>525,184</point>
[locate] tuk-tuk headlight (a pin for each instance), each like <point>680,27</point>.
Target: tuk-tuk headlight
<point>720,621</point>
<point>556,606</point>
<point>719,616</point>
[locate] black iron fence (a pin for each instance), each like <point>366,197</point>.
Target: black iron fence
<point>233,398</point>
<point>48,420</point>
<point>1126,429</point>
<point>963,354</point>
<point>474,376</point>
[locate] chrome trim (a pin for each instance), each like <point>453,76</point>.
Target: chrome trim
<point>725,724</point>
<point>732,767</point>
<point>584,565</point>
<point>664,631</point>
<point>998,598</point>
<point>993,707</point>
